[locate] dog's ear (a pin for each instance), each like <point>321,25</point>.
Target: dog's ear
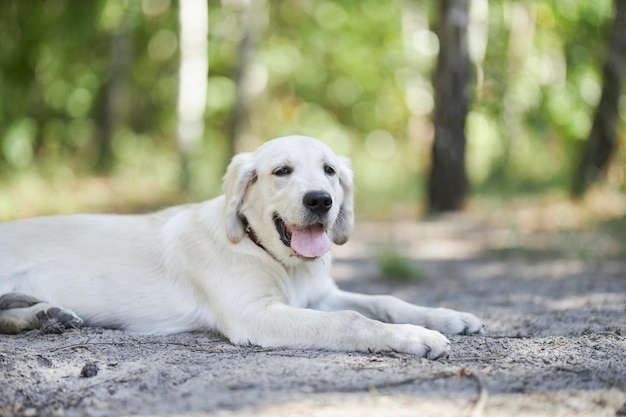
<point>345,221</point>
<point>239,175</point>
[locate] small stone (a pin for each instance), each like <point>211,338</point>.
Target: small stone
<point>89,370</point>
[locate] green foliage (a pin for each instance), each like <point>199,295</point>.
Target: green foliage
<point>356,74</point>
<point>395,265</point>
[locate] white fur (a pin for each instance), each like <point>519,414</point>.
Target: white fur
<point>194,267</point>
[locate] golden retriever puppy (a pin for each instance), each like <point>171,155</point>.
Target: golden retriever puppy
<point>253,264</point>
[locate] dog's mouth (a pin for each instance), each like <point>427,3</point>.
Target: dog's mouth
<point>309,242</point>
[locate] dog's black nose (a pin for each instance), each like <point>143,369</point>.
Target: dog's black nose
<point>318,201</point>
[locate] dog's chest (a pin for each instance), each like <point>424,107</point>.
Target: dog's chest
<point>302,287</point>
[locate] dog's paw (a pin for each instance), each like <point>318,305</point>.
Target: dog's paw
<point>454,322</point>
<point>418,341</point>
<point>58,320</point>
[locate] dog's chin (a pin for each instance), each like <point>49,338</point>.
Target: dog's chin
<point>308,242</point>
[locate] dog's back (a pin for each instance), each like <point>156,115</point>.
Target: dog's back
<point>101,266</point>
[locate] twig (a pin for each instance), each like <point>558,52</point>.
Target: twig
<point>483,396</point>
<point>86,344</point>
<point>574,371</point>
<point>477,358</point>
<point>76,345</point>
<point>500,336</point>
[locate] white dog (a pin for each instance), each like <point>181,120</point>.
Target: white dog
<point>252,264</point>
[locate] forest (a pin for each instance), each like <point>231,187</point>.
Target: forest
<point>488,142</point>
<point>95,112</point>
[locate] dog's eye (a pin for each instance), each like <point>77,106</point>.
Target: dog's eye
<point>329,170</point>
<point>282,171</point>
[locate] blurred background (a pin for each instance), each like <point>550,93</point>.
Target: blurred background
<point>106,105</point>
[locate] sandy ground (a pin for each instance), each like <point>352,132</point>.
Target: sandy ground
<point>555,344</point>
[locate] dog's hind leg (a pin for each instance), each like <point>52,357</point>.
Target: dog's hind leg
<point>21,312</point>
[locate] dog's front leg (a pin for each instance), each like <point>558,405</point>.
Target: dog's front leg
<point>279,325</point>
<point>393,310</point>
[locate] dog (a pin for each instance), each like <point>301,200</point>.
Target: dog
<point>252,264</point>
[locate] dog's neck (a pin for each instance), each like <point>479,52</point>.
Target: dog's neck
<point>252,235</point>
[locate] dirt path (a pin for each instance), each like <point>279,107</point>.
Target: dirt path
<point>556,346</point>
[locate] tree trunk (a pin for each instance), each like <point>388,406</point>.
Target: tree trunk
<point>192,82</point>
<point>447,183</point>
<point>110,98</point>
<point>240,108</point>
<point>602,140</point>
<point>253,20</point>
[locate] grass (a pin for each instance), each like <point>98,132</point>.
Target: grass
<point>395,265</point>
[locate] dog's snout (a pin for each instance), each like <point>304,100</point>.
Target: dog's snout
<point>318,201</point>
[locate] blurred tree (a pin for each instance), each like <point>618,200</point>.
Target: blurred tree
<point>192,81</point>
<point>602,140</point>
<point>253,19</point>
<point>109,105</point>
<point>356,74</point>
<point>46,77</point>
<point>447,183</point>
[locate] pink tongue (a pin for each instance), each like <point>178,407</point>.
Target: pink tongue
<point>310,242</point>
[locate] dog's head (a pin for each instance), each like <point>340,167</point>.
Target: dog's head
<point>294,193</point>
